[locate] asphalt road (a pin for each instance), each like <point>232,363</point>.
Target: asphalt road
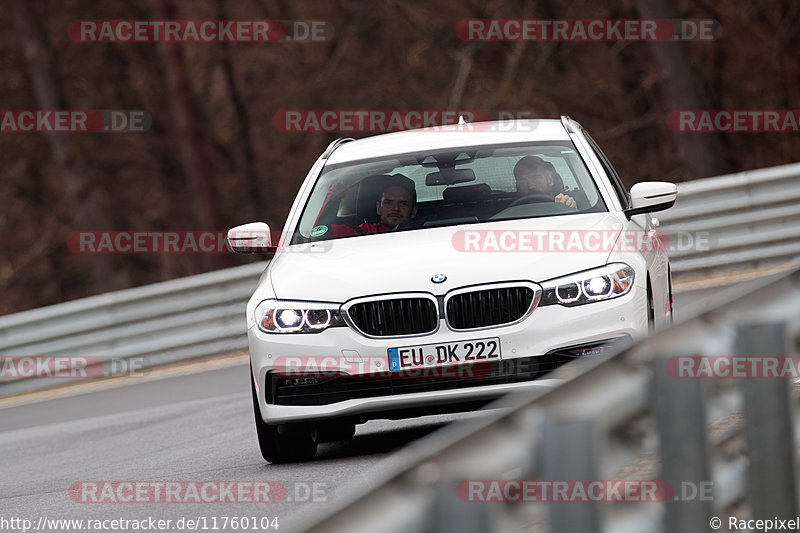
<point>185,428</point>
<point>196,427</point>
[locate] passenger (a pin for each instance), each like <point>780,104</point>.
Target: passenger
<point>537,176</point>
<point>396,207</point>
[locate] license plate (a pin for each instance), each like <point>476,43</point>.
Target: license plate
<point>447,353</point>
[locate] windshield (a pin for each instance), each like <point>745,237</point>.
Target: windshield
<point>448,188</point>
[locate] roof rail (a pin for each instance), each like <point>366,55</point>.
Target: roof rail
<point>567,122</point>
<point>334,145</point>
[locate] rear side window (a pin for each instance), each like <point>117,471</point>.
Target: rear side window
<point>616,182</point>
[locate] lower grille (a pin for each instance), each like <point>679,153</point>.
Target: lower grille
<point>283,391</point>
<point>399,316</point>
<point>338,388</point>
<point>489,307</point>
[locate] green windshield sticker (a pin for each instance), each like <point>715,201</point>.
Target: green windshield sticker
<point>319,230</point>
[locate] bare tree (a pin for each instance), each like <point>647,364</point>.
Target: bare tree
<point>194,148</point>
<point>699,153</point>
<point>83,198</point>
<point>243,125</point>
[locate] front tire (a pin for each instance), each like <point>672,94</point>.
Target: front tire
<point>284,443</point>
<point>336,431</point>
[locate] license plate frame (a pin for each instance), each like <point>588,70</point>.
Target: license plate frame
<point>439,354</point>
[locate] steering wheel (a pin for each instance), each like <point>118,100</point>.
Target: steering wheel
<point>531,198</point>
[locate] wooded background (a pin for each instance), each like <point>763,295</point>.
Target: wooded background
<point>213,159</point>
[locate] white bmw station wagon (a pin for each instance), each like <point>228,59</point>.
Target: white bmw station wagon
<point>434,270</point>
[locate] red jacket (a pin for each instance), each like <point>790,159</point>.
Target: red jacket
<point>343,230</point>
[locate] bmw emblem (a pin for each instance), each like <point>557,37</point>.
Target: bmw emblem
<point>439,278</point>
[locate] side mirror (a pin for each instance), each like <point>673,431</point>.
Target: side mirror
<point>651,196</point>
<point>251,238</point>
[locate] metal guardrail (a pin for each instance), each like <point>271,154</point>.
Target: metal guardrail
<point>744,221</point>
<point>752,220</point>
<point>160,323</point>
<point>623,416</point>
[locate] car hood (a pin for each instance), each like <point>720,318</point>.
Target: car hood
<point>341,269</point>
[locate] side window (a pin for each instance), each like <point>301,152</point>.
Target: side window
<point>619,188</point>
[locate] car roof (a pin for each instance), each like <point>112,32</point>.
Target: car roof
<point>453,136</point>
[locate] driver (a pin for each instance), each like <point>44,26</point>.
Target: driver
<point>534,175</point>
<point>395,208</point>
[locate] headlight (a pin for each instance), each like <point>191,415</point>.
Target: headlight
<point>589,286</point>
<point>281,316</point>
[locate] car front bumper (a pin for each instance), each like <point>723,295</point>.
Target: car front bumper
<point>547,330</point>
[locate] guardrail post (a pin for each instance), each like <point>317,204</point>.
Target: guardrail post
<point>768,426</point>
<point>456,516</point>
<point>569,449</point>
<point>681,418</point>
